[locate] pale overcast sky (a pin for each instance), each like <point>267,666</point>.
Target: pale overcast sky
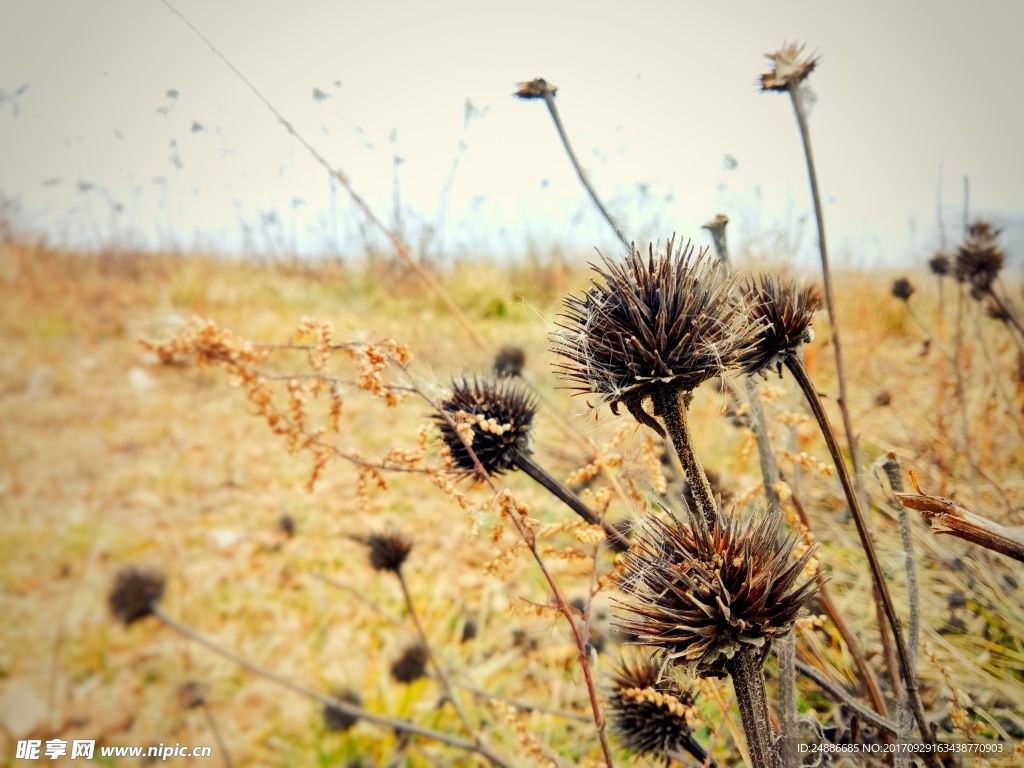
<point>659,99</point>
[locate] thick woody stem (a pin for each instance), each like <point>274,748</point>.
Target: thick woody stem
<point>672,410</point>
<point>748,682</point>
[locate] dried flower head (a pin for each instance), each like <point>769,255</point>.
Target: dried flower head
<point>509,362</point>
<point>388,550</point>
<point>661,322</point>
<point>648,713</point>
<point>499,415</point>
<point>940,264</point>
<point>135,594</point>
<point>979,258</point>
<point>411,665</point>
<point>903,288</point>
<point>336,719</point>
<point>789,68</point>
<point>534,89</point>
<point>783,312</point>
<point>702,595</point>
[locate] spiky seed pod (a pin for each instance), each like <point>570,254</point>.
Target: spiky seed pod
<point>501,416</point>
<point>783,311</point>
<point>388,550</point>
<point>334,718</point>
<point>979,259</point>
<point>136,592</point>
<point>789,68</point>
<point>664,322</point>
<point>702,595</point>
<point>411,665</point>
<point>509,362</point>
<point>903,288</point>
<point>534,89</point>
<point>940,264</point>
<point>649,724</point>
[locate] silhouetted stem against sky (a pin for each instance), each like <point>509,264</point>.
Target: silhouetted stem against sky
<point>549,99</point>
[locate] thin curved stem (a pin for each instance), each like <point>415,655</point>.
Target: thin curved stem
<point>672,410</point>
<point>347,707</point>
<point>805,135</point>
<point>441,674</point>
<point>549,99</point>
<point>537,473</point>
<point>906,666</point>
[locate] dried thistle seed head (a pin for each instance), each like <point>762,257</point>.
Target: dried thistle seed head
<point>782,311</point>
<point>509,362</point>
<point>335,719</point>
<point>411,665</point>
<point>903,288</point>
<point>135,594</point>
<point>648,713</point>
<point>498,415</point>
<point>534,89</point>
<point>702,595</point>
<point>789,67</point>
<point>664,321</point>
<point>388,550</point>
<point>940,264</point>
<point>979,259</point>
<point>717,225</point>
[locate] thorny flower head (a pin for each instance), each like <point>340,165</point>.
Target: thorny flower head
<point>509,362</point>
<point>535,89</point>
<point>661,322</point>
<point>336,719</point>
<point>701,595</point>
<point>783,311</point>
<point>940,264</point>
<point>789,67</point>
<point>649,713</point>
<point>135,594</point>
<point>496,415</point>
<point>411,665</point>
<point>902,288</point>
<point>979,258</point>
<point>388,550</point>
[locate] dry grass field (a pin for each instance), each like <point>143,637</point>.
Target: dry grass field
<point>109,457</point>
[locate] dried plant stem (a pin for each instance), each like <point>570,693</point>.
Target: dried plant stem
<point>961,394</point>
<point>904,718</point>
<point>342,179</point>
<point>217,736</point>
<point>787,700</point>
<point>528,537</point>
<point>840,695</point>
<point>748,682</point>
<point>765,454</point>
<point>951,517</point>
<point>525,706</point>
<point>539,475</point>
<point>549,99</point>
<point>906,667</point>
<point>805,135</point>
<point>867,674</point>
<point>449,692</point>
<point>346,707</point>
<point>672,409</point>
